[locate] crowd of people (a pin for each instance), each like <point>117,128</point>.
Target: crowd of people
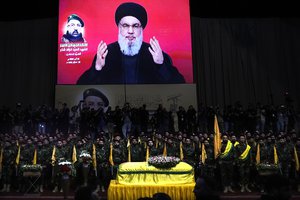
<point>259,135</point>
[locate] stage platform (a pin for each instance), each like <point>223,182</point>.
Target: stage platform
<point>48,195</point>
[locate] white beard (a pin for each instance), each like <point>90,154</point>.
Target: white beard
<point>130,48</point>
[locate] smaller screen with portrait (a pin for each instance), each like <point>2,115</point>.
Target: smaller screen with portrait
<point>124,42</point>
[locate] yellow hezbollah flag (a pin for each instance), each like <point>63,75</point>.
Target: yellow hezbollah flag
<point>297,166</point>
<point>129,151</point>
<point>165,150</point>
<point>275,156</point>
<point>34,157</point>
<point>217,138</point>
<point>94,157</point>
<point>111,160</point>
<point>147,154</point>
<point>74,155</point>
<point>257,158</point>
<point>203,154</point>
<point>53,157</point>
<point>181,150</point>
<point>18,156</point>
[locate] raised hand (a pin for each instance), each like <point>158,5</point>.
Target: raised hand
<point>156,51</point>
<point>101,55</point>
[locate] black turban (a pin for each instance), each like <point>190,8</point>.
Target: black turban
<point>131,9</point>
<point>97,93</point>
<point>76,17</point>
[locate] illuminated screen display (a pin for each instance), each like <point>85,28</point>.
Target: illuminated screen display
<point>108,42</point>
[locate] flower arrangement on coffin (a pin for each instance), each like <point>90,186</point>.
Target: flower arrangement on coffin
<point>85,157</point>
<point>66,167</point>
<point>267,168</point>
<point>163,162</point>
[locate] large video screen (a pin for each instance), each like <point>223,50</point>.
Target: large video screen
<point>124,42</point>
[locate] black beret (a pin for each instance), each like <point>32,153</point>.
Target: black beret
<point>131,9</point>
<point>97,93</point>
<point>76,17</point>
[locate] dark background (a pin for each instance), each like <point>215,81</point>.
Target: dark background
<point>243,50</point>
<point>32,9</point>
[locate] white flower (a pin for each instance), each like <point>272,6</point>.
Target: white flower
<point>27,167</point>
<point>83,154</point>
<point>163,161</point>
<point>64,163</point>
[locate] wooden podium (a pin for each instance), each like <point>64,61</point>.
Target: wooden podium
<point>33,178</point>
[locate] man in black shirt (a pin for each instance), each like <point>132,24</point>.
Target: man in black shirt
<point>130,60</point>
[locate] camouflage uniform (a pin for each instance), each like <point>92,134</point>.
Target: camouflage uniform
<point>284,153</point>
<point>137,151</point>
<point>264,158</point>
<point>244,162</point>
<point>159,145</point>
<point>80,147</point>
<point>26,158</point>
<point>208,168</point>
<point>189,153</point>
<point>270,150</point>
<point>62,153</point>
<point>8,164</point>
<point>226,165</point>
<point>253,171</point>
<point>153,151</point>
<point>44,158</point>
<point>103,169</point>
<point>119,157</point>
<point>172,148</point>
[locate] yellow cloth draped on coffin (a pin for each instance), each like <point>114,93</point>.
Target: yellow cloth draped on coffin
<point>141,173</point>
<point>133,192</point>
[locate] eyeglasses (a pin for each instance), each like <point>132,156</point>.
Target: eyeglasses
<point>127,26</point>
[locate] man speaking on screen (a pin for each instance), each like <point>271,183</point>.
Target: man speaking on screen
<point>130,60</point>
